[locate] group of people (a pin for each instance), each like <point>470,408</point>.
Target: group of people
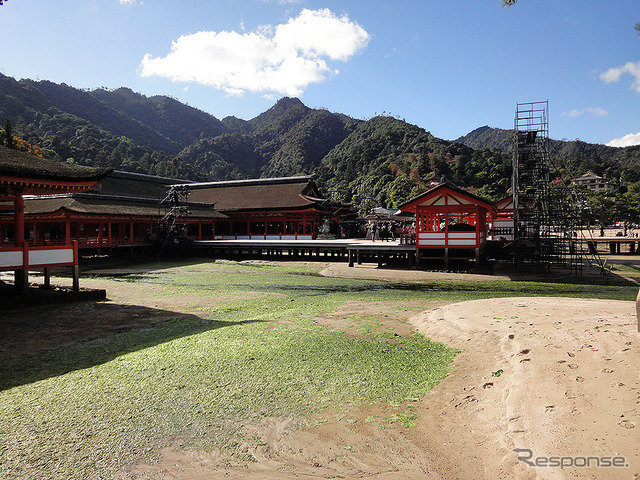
<point>383,232</point>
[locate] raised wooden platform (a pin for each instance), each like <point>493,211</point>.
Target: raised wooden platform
<point>615,243</point>
<point>351,250</point>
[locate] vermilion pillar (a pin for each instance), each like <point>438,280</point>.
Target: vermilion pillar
<point>67,230</point>
<point>19,219</point>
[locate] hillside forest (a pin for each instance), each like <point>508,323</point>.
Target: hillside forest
<point>382,161</point>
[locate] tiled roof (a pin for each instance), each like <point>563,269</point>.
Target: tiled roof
<point>410,204</point>
<point>94,204</point>
<point>129,184</point>
<point>259,194</point>
<point>15,163</point>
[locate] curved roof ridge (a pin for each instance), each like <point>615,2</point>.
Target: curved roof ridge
<point>251,181</point>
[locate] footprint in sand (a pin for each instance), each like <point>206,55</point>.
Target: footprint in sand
<point>467,400</point>
<point>627,424</point>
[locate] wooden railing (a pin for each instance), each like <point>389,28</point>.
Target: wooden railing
<point>27,256</point>
<point>267,236</point>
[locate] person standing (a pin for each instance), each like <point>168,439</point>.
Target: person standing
<point>384,233</point>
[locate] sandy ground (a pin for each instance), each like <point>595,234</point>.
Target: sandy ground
<point>556,378</point>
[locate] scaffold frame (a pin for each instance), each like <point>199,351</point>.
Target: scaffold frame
<point>547,220</point>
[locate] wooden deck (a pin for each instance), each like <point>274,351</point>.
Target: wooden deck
<point>351,250</point>
<point>615,244</point>
<point>354,250</point>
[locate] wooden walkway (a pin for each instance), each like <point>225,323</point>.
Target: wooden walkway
<point>615,243</point>
<point>351,250</point>
<point>348,250</point>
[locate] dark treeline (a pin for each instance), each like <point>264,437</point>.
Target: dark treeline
<point>382,161</point>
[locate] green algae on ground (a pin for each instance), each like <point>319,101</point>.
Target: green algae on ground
<point>85,409</point>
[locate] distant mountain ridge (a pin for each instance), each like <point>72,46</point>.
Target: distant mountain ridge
<point>161,114</point>
<point>382,161</point>
<point>488,137</point>
<point>576,155</point>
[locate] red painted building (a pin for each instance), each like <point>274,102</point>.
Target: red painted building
<point>126,211</point>
<point>450,222</point>
<point>129,209</point>
<point>271,208</point>
<point>23,174</point>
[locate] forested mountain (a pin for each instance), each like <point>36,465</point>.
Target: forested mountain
<point>386,161</point>
<point>488,137</point>
<point>382,161</point>
<point>74,126</point>
<point>576,156</point>
<point>173,120</point>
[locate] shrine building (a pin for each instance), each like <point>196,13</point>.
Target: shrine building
<point>284,208</point>
<point>450,223</point>
<point>23,174</point>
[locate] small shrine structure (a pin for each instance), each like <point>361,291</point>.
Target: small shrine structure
<point>450,223</point>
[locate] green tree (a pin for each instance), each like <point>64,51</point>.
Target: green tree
<point>6,138</point>
<point>627,206</point>
<point>600,207</point>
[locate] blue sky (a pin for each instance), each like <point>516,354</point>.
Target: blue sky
<point>448,66</point>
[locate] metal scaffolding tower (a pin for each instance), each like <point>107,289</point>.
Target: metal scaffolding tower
<point>547,220</point>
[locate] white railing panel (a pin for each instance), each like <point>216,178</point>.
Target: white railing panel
<point>462,242</point>
<point>432,243</point>
<point>11,259</point>
<point>458,235</point>
<point>50,257</point>
<point>503,223</point>
<point>430,236</point>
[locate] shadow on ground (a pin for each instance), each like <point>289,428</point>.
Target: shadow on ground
<point>39,343</point>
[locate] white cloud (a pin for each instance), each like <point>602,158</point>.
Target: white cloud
<point>614,74</point>
<point>284,59</point>
<point>626,141</point>
<point>595,112</point>
<point>129,2</point>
